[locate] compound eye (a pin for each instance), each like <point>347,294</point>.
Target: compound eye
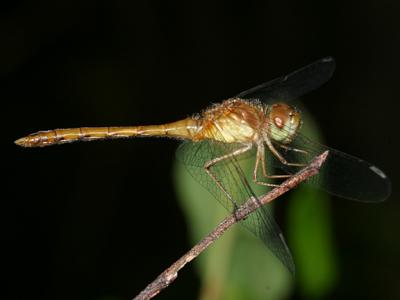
<point>285,121</point>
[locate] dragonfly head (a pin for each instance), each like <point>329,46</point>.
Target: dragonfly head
<point>283,122</point>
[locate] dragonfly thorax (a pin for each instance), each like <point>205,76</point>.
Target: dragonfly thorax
<point>233,121</point>
<point>283,122</point>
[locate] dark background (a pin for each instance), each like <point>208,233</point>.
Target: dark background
<point>98,220</point>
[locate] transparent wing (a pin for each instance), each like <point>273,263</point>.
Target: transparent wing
<point>194,155</point>
<point>342,175</point>
<point>293,85</point>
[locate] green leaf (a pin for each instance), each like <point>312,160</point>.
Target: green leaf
<point>310,237</point>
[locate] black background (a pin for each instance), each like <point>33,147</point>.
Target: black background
<point>88,221</point>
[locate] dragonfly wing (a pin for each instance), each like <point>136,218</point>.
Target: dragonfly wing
<point>194,155</point>
<point>342,175</point>
<point>293,85</point>
<point>263,225</point>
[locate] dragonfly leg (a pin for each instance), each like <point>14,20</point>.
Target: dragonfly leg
<point>209,164</point>
<point>294,149</point>
<point>260,157</point>
<point>279,156</point>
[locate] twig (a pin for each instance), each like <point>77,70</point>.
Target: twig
<point>170,274</point>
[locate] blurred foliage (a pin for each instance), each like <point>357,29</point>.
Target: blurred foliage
<point>310,236</point>
<point>238,266</point>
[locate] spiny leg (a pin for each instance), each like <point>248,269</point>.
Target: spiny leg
<point>287,148</point>
<point>210,163</point>
<point>279,156</point>
<point>260,157</point>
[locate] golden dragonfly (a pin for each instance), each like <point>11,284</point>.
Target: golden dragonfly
<point>263,122</point>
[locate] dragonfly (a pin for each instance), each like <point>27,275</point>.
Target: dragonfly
<point>263,123</point>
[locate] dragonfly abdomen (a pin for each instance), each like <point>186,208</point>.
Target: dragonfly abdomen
<point>183,129</point>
